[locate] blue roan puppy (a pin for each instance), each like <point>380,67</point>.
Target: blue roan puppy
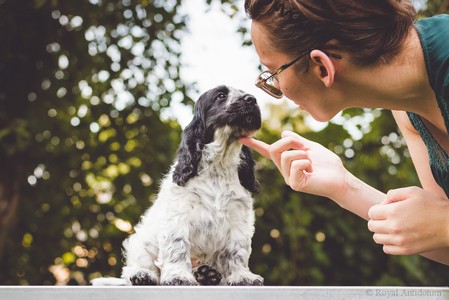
<point>203,215</point>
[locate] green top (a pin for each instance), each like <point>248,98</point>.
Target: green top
<point>434,36</point>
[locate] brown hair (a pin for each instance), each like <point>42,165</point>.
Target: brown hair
<point>371,30</point>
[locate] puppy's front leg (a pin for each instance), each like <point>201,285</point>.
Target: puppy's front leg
<point>235,264</point>
<point>140,254</point>
<point>174,260</point>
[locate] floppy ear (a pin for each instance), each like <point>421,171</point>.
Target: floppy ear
<point>189,152</point>
<point>247,176</point>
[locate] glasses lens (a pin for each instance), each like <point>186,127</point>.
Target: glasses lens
<point>266,82</point>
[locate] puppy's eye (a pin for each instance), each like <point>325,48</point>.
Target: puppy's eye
<point>221,96</point>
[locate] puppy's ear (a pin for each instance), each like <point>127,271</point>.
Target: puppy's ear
<point>189,152</point>
<point>247,176</point>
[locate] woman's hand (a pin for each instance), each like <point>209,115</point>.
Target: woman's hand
<point>305,165</point>
<point>410,221</point>
<point>406,221</point>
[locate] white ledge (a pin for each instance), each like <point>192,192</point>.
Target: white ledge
<point>221,293</point>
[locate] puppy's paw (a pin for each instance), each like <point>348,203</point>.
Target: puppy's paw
<point>177,277</point>
<point>206,275</point>
<point>244,278</point>
<point>142,278</point>
<point>179,281</point>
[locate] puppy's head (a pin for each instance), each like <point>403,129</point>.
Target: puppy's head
<point>227,106</point>
<point>216,108</point>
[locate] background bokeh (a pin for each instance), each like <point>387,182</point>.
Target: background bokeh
<point>88,91</point>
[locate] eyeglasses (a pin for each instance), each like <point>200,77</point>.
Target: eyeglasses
<point>266,80</point>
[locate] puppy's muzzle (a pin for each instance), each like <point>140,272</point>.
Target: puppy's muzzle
<point>247,114</point>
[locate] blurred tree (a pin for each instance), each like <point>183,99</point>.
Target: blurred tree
<point>83,85</point>
<point>84,138</point>
<point>435,7</point>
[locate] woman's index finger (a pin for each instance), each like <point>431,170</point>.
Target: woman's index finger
<point>256,145</point>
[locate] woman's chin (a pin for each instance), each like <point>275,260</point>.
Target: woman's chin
<point>318,115</point>
<point>321,117</point>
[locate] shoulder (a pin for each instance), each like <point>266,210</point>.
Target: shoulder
<point>434,19</point>
<point>434,33</point>
<point>434,37</point>
<point>403,122</point>
<point>437,19</point>
<point>435,25</point>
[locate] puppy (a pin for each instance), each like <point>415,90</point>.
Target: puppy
<point>204,210</point>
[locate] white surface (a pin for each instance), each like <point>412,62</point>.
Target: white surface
<point>222,293</point>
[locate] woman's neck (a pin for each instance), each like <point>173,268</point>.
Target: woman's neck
<point>401,84</point>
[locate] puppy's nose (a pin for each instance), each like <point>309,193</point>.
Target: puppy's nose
<point>249,99</point>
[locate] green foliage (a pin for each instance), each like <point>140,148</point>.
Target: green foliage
<point>435,7</point>
<point>83,143</point>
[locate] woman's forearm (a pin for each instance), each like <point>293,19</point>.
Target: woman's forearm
<point>358,196</point>
<point>439,255</point>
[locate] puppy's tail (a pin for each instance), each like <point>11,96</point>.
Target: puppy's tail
<point>109,281</point>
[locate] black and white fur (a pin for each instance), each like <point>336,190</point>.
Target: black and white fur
<point>204,211</point>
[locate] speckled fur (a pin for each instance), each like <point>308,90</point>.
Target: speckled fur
<point>203,215</point>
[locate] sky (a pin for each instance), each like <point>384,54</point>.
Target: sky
<point>213,55</point>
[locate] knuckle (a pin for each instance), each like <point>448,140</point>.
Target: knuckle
<point>289,139</point>
<point>394,212</point>
<point>390,192</point>
<point>369,225</point>
<point>395,229</point>
<point>386,249</point>
<point>295,185</point>
<point>408,251</point>
<point>372,211</point>
<point>400,241</point>
<point>296,165</point>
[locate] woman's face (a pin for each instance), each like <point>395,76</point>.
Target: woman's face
<point>303,88</point>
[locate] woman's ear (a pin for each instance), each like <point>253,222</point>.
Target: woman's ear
<point>323,67</point>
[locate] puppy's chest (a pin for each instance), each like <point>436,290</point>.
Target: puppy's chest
<point>219,203</point>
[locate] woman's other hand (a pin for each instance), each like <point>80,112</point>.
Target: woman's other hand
<point>410,221</point>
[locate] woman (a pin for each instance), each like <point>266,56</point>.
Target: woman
<point>328,55</point>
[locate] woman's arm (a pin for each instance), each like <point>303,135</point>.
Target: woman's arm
<point>311,168</point>
<point>418,153</point>
<point>413,220</point>
<point>439,255</point>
